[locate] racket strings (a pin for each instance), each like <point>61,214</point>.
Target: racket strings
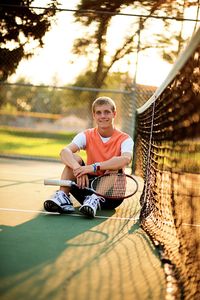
<point>114,185</point>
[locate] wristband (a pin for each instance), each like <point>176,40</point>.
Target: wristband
<point>94,167</point>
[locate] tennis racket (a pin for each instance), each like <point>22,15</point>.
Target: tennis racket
<point>110,186</point>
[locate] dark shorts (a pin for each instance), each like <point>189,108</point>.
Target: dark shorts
<point>80,195</point>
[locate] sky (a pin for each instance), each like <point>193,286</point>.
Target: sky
<point>53,64</point>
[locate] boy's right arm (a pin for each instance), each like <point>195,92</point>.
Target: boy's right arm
<point>73,161</point>
<point>67,156</point>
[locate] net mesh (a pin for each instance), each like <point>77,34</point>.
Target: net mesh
<point>168,158</point>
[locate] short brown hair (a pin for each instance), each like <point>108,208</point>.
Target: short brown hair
<point>102,101</point>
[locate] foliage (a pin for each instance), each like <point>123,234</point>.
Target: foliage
<point>97,25</point>
<point>30,98</point>
<point>25,98</point>
<point>19,26</point>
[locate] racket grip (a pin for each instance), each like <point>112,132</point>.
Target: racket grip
<point>58,182</point>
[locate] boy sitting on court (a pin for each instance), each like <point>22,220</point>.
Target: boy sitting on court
<point>108,150</point>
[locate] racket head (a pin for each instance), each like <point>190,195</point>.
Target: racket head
<point>115,186</point>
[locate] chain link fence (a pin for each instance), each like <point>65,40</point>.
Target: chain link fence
<point>51,108</point>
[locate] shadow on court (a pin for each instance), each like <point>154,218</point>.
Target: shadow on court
<point>40,241</point>
<point>70,257</point>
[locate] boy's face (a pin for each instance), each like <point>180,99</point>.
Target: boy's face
<point>104,116</point>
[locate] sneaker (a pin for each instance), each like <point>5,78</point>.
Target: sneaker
<point>91,204</point>
<point>59,202</point>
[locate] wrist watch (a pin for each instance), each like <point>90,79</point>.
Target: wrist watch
<point>98,166</point>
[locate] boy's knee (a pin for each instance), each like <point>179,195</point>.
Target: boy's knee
<point>78,159</point>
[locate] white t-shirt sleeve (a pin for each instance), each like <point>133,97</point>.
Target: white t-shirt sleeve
<point>127,145</point>
<point>80,140</point>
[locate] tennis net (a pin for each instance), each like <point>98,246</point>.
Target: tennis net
<point>168,158</point>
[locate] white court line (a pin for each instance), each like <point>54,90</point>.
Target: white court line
<point>188,224</point>
<point>73,215</point>
<point>136,218</point>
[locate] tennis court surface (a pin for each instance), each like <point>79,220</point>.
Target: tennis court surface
<point>52,256</point>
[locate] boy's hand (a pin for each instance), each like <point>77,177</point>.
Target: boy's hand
<point>82,170</point>
<point>83,181</point>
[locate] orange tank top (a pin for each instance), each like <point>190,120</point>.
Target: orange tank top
<point>98,151</point>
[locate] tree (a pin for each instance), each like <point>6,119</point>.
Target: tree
<point>95,41</point>
<point>20,26</point>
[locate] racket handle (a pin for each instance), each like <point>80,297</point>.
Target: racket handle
<point>58,182</point>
